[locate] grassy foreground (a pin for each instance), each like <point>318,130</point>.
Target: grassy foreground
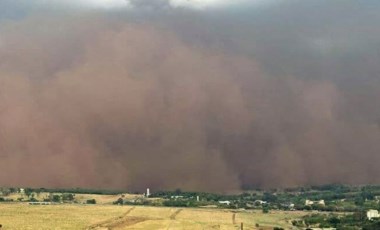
<point>65,216</point>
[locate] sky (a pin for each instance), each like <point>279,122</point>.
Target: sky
<point>200,95</point>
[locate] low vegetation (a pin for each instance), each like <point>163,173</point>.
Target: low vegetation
<point>357,220</point>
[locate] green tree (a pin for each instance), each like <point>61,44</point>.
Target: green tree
<point>359,201</point>
<point>119,201</point>
<point>28,192</point>
<point>56,198</point>
<point>67,197</point>
<point>334,221</point>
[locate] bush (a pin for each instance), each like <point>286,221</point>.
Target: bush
<point>265,210</point>
<point>119,201</point>
<point>91,201</point>
<point>56,198</point>
<point>2,199</point>
<point>67,197</point>
<point>297,223</point>
<point>180,203</point>
<point>33,199</point>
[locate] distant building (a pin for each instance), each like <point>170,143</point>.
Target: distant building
<point>289,206</point>
<point>372,214</point>
<point>260,202</point>
<point>322,202</point>
<point>225,202</point>
<point>310,202</point>
<point>147,192</point>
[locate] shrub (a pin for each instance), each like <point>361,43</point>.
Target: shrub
<point>265,210</point>
<point>119,201</point>
<point>91,201</point>
<point>56,198</point>
<point>67,197</point>
<point>33,199</point>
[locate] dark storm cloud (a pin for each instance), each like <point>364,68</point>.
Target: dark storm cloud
<point>219,98</point>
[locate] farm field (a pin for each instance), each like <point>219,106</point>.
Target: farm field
<point>74,216</point>
<point>80,198</point>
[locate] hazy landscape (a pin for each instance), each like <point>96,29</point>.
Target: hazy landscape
<point>261,112</point>
<point>329,207</point>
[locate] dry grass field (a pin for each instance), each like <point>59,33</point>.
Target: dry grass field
<point>80,198</point>
<point>24,216</point>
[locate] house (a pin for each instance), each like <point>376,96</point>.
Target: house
<point>289,206</point>
<point>321,202</point>
<point>310,202</point>
<point>225,202</point>
<point>372,214</point>
<point>260,202</point>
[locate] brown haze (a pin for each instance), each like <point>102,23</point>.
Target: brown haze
<point>86,101</point>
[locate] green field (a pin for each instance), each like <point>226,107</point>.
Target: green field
<point>75,216</point>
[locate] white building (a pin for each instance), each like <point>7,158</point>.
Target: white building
<point>372,214</point>
<point>147,192</point>
<point>288,205</point>
<point>310,202</point>
<point>260,202</point>
<point>321,202</point>
<point>225,202</point>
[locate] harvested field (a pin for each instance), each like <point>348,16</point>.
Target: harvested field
<point>97,217</point>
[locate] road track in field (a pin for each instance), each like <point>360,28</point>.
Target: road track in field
<point>115,222</point>
<point>173,216</point>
